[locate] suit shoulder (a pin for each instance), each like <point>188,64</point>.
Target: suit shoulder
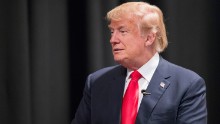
<point>181,77</point>
<point>102,75</point>
<point>107,71</point>
<point>181,71</point>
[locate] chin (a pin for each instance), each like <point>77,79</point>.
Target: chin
<point>118,59</point>
<point>121,61</point>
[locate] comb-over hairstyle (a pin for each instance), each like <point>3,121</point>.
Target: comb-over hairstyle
<point>149,18</point>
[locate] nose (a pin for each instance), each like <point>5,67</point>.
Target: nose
<point>114,38</point>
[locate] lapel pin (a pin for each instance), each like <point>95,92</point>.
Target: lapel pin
<point>162,84</point>
<point>145,93</point>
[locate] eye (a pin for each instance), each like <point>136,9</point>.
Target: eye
<point>111,31</point>
<point>123,31</point>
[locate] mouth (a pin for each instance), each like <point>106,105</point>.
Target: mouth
<point>117,49</point>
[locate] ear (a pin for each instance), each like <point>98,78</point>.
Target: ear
<point>150,38</point>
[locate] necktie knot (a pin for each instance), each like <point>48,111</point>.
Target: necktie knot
<point>135,75</point>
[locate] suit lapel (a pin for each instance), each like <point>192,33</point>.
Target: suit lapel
<point>156,87</point>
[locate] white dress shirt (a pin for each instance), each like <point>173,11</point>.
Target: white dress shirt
<point>147,71</point>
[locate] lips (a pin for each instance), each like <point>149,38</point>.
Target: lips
<point>117,49</point>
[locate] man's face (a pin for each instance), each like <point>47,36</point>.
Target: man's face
<point>128,46</point>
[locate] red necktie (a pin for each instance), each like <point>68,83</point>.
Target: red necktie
<point>130,100</point>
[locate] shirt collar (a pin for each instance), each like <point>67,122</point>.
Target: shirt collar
<point>148,69</point>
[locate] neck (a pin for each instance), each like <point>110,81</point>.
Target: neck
<point>135,65</point>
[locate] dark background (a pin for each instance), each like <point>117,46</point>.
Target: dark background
<point>48,47</point>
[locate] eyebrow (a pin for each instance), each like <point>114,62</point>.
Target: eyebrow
<point>120,27</point>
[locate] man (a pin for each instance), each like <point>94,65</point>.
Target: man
<point>158,92</point>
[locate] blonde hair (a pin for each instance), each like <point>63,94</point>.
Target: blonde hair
<point>149,17</point>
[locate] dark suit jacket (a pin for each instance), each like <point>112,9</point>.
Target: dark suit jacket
<point>181,101</point>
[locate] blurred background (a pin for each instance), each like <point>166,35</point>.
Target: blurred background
<point>48,47</point>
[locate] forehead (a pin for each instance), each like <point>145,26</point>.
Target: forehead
<point>121,24</point>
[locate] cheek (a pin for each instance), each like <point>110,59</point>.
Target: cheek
<point>138,51</point>
<point>132,51</point>
<point>137,46</point>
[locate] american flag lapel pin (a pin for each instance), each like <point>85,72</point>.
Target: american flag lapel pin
<point>162,84</point>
